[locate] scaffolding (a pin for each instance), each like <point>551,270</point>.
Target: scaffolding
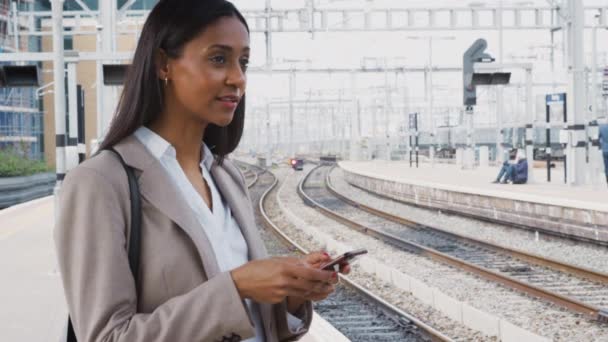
<point>21,120</point>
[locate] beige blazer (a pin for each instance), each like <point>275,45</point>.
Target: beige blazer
<point>182,296</point>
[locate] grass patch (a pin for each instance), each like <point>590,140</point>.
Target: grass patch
<point>13,164</point>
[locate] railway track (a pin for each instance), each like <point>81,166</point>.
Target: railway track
<point>354,311</point>
<point>251,176</point>
<point>575,288</point>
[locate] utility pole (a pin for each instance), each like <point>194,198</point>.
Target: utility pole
<point>354,120</point>
<point>268,35</point>
<point>268,135</point>
<point>387,99</point>
<point>292,91</point>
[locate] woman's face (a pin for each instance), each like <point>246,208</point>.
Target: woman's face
<point>208,80</point>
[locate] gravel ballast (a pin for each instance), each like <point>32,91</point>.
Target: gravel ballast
<point>534,315</point>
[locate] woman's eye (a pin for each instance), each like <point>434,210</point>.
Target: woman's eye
<point>218,59</point>
<point>244,63</point>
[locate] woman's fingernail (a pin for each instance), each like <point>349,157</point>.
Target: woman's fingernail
<point>325,253</point>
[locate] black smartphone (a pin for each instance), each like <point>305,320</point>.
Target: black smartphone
<point>347,257</point>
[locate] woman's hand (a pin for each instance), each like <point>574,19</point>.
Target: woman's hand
<point>316,260</point>
<point>271,280</point>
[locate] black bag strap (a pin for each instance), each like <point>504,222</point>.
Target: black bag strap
<point>135,236</point>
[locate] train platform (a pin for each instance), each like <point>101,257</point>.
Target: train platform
<point>556,208</point>
<point>33,305</point>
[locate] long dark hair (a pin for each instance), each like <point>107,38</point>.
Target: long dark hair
<point>170,25</point>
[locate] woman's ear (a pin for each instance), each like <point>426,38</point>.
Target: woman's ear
<point>162,65</point>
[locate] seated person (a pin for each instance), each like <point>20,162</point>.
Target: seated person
<point>507,166</point>
<point>516,173</point>
<point>520,171</point>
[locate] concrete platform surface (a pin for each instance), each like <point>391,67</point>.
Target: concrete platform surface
<point>555,208</point>
<point>478,181</point>
<point>33,306</point>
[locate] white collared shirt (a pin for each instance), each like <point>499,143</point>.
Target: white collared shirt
<point>222,230</point>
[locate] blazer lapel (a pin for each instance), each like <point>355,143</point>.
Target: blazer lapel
<point>240,206</point>
<point>241,210</point>
<point>156,186</point>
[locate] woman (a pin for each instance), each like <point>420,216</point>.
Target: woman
<point>204,274</point>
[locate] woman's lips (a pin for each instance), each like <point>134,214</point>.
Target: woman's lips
<point>229,102</point>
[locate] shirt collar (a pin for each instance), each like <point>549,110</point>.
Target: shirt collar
<point>207,157</point>
<point>158,146</point>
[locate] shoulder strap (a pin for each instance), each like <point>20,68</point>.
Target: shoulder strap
<point>135,236</point>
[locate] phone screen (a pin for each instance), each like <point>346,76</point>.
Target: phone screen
<point>347,257</point>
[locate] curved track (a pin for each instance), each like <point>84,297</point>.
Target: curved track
<point>354,311</point>
<point>578,289</point>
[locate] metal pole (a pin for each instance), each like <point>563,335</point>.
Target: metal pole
<point>292,91</point>
<point>354,122</point>
<point>594,151</point>
<point>82,147</point>
<point>548,140</point>
<point>500,155</point>
<point>577,107</point>
<point>268,35</point>
<point>529,127</point>
<point>385,137</point>
<point>268,136</point>
<point>99,89</point>
<point>470,150</point>
<point>417,134</point>
<point>430,109</point>
<point>594,81</point>
<point>59,93</point>
<point>553,80</point>
<point>71,151</point>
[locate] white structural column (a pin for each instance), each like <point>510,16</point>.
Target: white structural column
<point>59,92</point>
<point>595,153</point>
<point>108,13</point>
<point>576,95</point>
<point>99,86</point>
<point>71,151</point>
